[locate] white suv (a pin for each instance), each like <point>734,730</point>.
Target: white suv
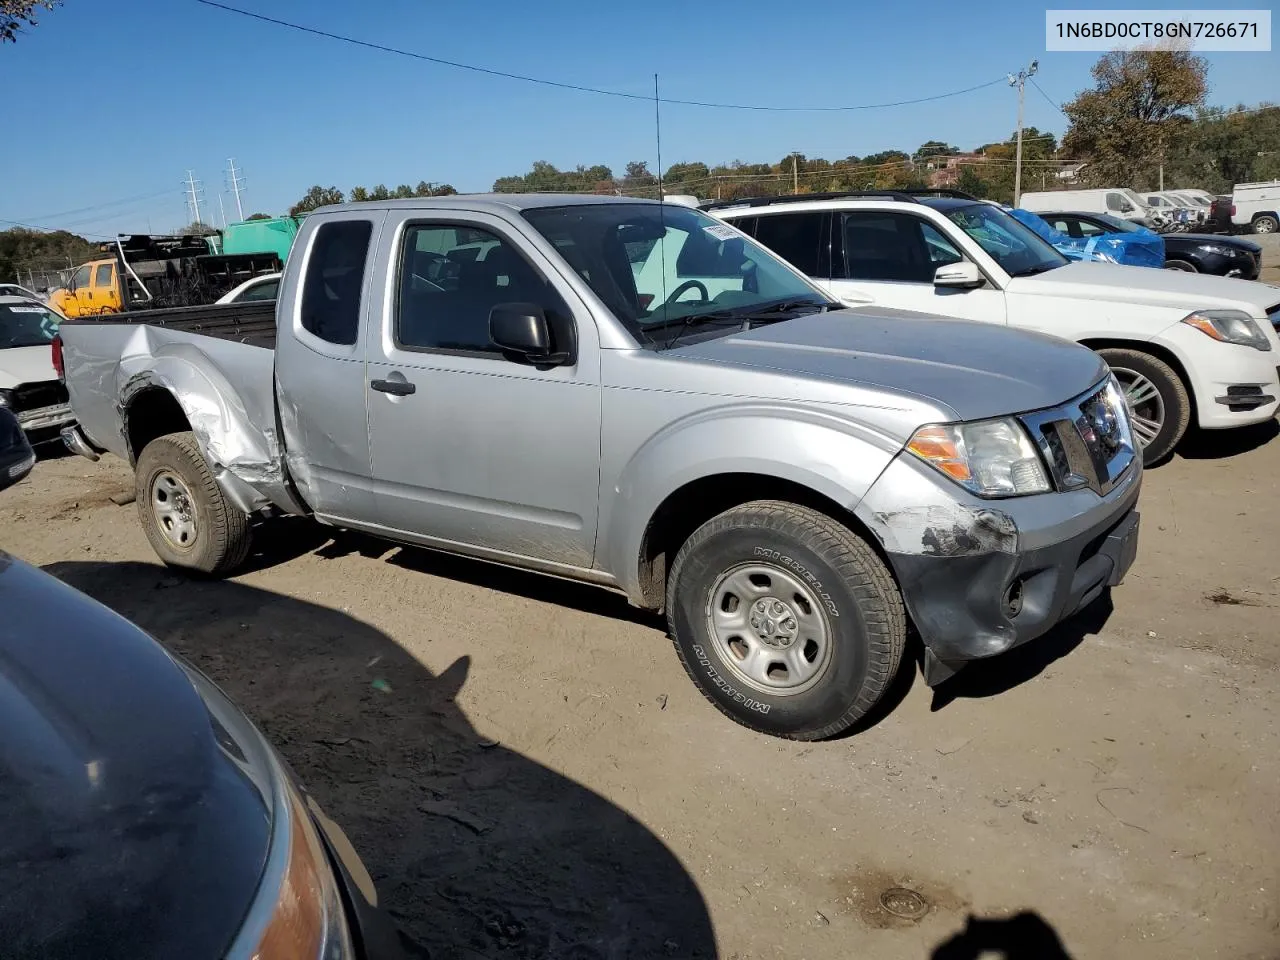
<point>1183,345</point>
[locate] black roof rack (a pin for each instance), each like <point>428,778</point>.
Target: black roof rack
<point>938,192</point>
<point>903,195</point>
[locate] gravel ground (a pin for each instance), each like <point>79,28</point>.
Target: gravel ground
<point>528,773</point>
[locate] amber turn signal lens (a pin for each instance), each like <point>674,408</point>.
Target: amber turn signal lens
<point>938,446</point>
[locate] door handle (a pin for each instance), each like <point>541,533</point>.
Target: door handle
<point>397,388</point>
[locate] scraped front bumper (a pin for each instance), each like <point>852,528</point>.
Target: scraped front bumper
<point>979,577</point>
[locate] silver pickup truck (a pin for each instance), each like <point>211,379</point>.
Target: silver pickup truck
<point>538,381</point>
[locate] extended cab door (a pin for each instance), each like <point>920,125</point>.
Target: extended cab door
<point>471,448</point>
<point>888,258</point>
<point>320,365</point>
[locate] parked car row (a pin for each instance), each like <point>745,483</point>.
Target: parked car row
<point>1251,207</point>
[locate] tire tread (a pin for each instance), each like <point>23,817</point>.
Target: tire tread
<point>851,558</point>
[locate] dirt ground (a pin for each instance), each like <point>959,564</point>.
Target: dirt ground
<point>528,773</point>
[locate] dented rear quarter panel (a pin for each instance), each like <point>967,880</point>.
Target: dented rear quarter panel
<point>225,389</point>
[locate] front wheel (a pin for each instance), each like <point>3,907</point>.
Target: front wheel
<point>187,520</point>
<point>1159,407</point>
<point>787,621</point>
<point>1184,265</point>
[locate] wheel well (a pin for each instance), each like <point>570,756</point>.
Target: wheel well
<point>692,505</point>
<point>1155,350</point>
<point>1264,213</point>
<point>152,413</point>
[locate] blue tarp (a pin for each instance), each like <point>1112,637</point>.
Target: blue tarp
<point>1140,248</point>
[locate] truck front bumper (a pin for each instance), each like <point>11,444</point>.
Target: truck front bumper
<point>980,577</point>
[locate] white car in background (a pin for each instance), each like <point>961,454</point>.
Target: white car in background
<point>1186,347</point>
<point>29,386</point>
<point>265,287</point>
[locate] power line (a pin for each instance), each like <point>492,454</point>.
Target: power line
<point>36,226</point>
<point>1052,102</point>
<point>575,86</point>
<point>99,206</point>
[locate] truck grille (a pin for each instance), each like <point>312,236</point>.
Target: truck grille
<point>34,396</point>
<point>1087,442</point>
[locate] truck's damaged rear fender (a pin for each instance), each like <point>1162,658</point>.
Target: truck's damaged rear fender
<point>238,443</point>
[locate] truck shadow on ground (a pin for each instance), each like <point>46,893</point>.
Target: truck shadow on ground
<point>1023,936</point>
<point>476,850</point>
<point>1220,444</point>
<point>988,678</point>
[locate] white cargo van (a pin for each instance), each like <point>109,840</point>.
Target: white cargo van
<point>1257,205</point>
<point>1117,201</point>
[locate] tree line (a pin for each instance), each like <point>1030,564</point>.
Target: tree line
<point>319,196</point>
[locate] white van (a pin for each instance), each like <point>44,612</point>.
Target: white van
<point>1256,205</point>
<point>1117,201</point>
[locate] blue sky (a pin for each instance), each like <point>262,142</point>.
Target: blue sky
<point>119,98</point>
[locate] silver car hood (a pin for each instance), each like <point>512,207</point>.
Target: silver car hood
<point>977,370</point>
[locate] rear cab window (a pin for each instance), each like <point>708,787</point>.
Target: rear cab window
<point>331,288</point>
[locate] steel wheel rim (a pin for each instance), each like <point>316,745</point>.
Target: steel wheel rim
<point>769,628</point>
<point>174,510</point>
<point>1145,404</point>
<point>1182,267</point>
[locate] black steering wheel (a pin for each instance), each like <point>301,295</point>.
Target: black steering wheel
<point>689,285</point>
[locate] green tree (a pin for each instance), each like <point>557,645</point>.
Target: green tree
<point>935,148</point>
<point>197,230</point>
<point>443,190</point>
<point>1140,102</point>
<point>317,196</point>
<point>24,253</point>
<point>15,13</point>
<point>359,194</point>
<point>402,192</point>
<point>259,216</point>
<point>380,192</point>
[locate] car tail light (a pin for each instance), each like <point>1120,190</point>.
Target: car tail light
<point>1233,209</point>
<point>57,357</point>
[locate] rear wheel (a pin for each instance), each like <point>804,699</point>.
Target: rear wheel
<point>1159,407</point>
<point>785,619</point>
<point>187,520</point>
<point>1266,223</point>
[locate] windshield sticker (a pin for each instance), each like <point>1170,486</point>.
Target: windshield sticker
<point>26,310</point>
<point>721,231</point>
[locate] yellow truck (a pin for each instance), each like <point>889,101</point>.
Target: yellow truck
<point>142,271</point>
<point>93,290</point>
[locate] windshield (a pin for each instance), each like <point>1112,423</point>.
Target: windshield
<point>656,265</point>
<point>26,325</point>
<point>1015,247</point>
<point>1118,225</point>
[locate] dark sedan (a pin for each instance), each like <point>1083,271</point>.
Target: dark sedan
<point>144,815</point>
<point>1219,255</point>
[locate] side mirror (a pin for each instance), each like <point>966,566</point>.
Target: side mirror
<point>963,275</point>
<point>521,331</point>
<point>16,455</point>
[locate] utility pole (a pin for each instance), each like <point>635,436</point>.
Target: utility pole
<point>235,182</point>
<point>795,173</point>
<point>222,210</point>
<point>193,187</point>
<point>1020,81</point>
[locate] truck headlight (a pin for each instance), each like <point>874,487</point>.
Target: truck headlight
<point>992,458</point>
<point>1229,326</point>
<point>6,399</point>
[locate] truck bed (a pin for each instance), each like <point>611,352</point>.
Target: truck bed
<point>253,323</point>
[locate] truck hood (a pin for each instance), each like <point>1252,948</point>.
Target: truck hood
<point>977,370</point>
<point>26,365</point>
<point>1109,282</point>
